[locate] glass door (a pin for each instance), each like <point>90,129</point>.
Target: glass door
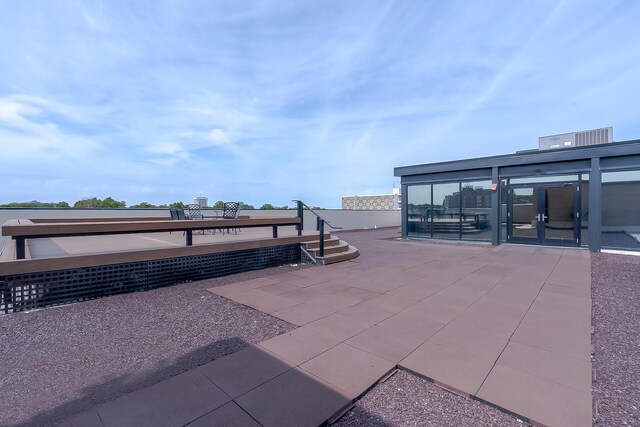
<point>544,214</point>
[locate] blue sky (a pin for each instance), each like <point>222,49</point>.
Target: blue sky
<point>268,101</point>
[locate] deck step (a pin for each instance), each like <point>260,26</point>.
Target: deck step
<point>342,246</point>
<point>315,244</point>
<point>351,253</point>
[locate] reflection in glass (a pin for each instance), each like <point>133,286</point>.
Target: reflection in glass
<point>476,210</point>
<point>621,210</point>
<point>418,207</point>
<point>445,211</point>
<point>525,213</point>
<point>558,215</point>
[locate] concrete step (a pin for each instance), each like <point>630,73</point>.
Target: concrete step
<point>315,244</point>
<point>342,246</point>
<point>351,253</point>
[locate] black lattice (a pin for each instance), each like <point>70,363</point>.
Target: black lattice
<point>34,290</point>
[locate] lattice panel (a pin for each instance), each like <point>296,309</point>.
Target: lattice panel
<point>35,290</point>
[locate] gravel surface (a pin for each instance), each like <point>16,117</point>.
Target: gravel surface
<point>407,400</point>
<point>59,361</point>
<point>615,281</point>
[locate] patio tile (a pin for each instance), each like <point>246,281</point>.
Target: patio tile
<point>295,398</point>
<point>450,368</point>
<point>302,314</point>
<point>303,294</point>
<point>328,287</point>
<point>229,415</point>
<point>85,419</point>
<point>175,401</point>
<point>386,343</point>
<point>566,290</point>
<point>348,368</point>
<point>496,319</point>
<point>392,302</point>
<point>564,370</point>
<point>542,401</point>
<point>332,302</point>
<point>555,336</point>
<point>358,293</point>
<point>409,324</point>
<point>456,296</point>
<point>244,370</point>
<point>434,311</point>
<point>278,288</point>
<point>516,297</point>
<point>338,326</point>
<point>299,345</point>
<point>368,312</point>
<point>272,303</point>
<point>417,290</point>
<point>244,296</point>
<point>470,340</point>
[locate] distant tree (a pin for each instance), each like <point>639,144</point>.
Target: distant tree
<point>245,206</point>
<point>35,204</point>
<point>94,202</point>
<point>178,205</point>
<point>145,205</point>
<point>91,202</point>
<point>218,205</point>
<point>267,206</point>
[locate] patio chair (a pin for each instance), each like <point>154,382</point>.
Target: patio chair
<point>194,212</point>
<point>176,215</point>
<point>230,210</point>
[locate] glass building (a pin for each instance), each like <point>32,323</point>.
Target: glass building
<point>581,196</point>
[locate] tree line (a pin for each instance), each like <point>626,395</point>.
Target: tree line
<point>111,203</point>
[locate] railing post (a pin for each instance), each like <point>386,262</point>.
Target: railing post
<point>189,234</point>
<point>20,247</point>
<point>301,216</point>
<point>321,228</point>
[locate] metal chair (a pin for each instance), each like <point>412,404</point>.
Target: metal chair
<point>230,210</point>
<point>195,213</point>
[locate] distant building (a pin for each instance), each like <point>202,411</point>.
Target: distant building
<point>202,201</point>
<point>374,202</point>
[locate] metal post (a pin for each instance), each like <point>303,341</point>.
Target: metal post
<point>301,216</point>
<point>20,251</point>
<point>275,231</point>
<point>595,205</point>
<point>321,228</point>
<point>189,234</point>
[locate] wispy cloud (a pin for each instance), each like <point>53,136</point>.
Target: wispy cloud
<point>288,99</point>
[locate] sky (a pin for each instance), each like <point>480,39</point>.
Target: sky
<point>269,101</point>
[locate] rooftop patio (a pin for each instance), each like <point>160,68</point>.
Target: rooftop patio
<point>508,325</point>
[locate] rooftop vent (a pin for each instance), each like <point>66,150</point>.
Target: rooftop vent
<point>576,139</point>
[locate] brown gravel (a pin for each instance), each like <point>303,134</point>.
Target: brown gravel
<point>407,400</point>
<point>59,361</point>
<point>616,320</point>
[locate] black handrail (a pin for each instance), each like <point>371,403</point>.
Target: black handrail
<point>320,222</point>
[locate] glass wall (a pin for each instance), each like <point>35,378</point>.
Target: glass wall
<point>621,210</point>
<point>418,208</point>
<point>452,210</point>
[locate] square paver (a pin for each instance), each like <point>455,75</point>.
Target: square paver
<point>392,302</point>
<point>410,324</point>
<point>175,401</point>
<point>368,311</point>
<point>417,290</point>
<point>302,314</point>
<point>470,340</point>
<point>542,401</point>
<point>300,345</point>
<point>230,415</point>
<point>564,370</point>
<point>450,368</point>
<point>434,311</point>
<point>272,303</point>
<point>244,370</point>
<point>338,326</point>
<point>295,398</point>
<point>385,343</point>
<point>456,296</point>
<point>348,368</point>
<point>278,288</point>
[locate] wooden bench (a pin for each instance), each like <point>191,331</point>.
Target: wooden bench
<point>21,229</point>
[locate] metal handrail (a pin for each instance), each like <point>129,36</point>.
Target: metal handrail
<point>316,214</point>
<point>320,222</point>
